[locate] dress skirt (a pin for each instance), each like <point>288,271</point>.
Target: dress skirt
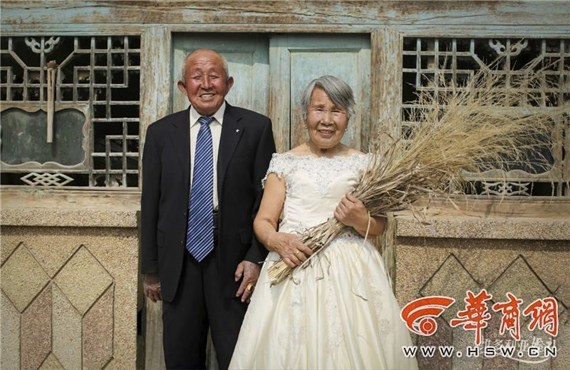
<point>339,312</point>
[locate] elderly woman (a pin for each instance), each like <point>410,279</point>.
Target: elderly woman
<point>338,311</point>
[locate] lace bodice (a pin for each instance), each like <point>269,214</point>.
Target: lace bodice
<point>314,186</point>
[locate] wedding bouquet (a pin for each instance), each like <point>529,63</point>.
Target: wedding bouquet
<point>484,124</point>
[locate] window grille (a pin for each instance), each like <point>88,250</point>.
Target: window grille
<point>70,111</point>
<point>458,59</point>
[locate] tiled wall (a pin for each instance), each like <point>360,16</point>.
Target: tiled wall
<point>69,298</point>
<point>450,266</point>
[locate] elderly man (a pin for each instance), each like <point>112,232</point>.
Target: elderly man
<point>202,172</point>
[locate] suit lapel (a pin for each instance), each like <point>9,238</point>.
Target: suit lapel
<point>232,130</point>
<point>180,137</point>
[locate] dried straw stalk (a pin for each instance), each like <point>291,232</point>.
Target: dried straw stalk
<point>475,127</point>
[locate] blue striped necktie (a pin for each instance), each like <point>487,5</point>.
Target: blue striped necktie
<point>200,231</point>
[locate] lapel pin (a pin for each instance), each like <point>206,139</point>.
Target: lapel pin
<point>237,129</point>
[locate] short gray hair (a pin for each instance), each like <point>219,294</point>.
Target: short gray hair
<point>189,54</point>
<point>338,91</point>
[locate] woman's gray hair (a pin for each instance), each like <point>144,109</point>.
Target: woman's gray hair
<point>338,91</point>
<point>224,63</point>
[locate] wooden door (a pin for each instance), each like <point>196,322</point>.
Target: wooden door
<point>248,63</point>
<point>271,71</point>
<point>296,60</point>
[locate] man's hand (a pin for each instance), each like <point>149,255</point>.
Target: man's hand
<point>248,272</point>
<point>151,287</point>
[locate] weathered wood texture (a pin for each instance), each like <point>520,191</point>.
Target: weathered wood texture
<point>387,59</point>
<point>285,15</point>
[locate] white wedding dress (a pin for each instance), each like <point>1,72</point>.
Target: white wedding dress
<point>339,312</point>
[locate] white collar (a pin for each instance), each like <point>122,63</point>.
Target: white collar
<point>219,115</point>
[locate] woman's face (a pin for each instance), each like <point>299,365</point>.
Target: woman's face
<point>326,122</point>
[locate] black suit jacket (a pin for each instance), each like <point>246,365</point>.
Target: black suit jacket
<point>246,146</point>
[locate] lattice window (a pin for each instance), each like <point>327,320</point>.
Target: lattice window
<point>458,59</point>
<point>70,111</point>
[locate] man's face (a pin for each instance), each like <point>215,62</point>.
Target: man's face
<point>206,84</point>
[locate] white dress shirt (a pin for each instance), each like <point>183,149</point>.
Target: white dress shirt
<point>216,129</point>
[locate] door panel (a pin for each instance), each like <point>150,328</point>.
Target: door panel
<point>271,71</point>
<point>248,63</point>
<point>296,60</point>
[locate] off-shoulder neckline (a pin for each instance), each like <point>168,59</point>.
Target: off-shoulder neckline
<point>289,154</point>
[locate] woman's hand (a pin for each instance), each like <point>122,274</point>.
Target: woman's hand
<point>289,246</point>
<point>351,212</point>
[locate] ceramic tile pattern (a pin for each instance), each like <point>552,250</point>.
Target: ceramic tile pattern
<point>69,298</point>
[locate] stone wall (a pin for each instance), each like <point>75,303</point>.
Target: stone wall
<point>449,255</point>
<point>69,293</point>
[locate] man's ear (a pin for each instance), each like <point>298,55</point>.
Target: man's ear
<point>230,83</point>
<point>182,87</point>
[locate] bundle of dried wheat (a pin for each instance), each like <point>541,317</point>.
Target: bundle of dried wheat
<point>475,127</point>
